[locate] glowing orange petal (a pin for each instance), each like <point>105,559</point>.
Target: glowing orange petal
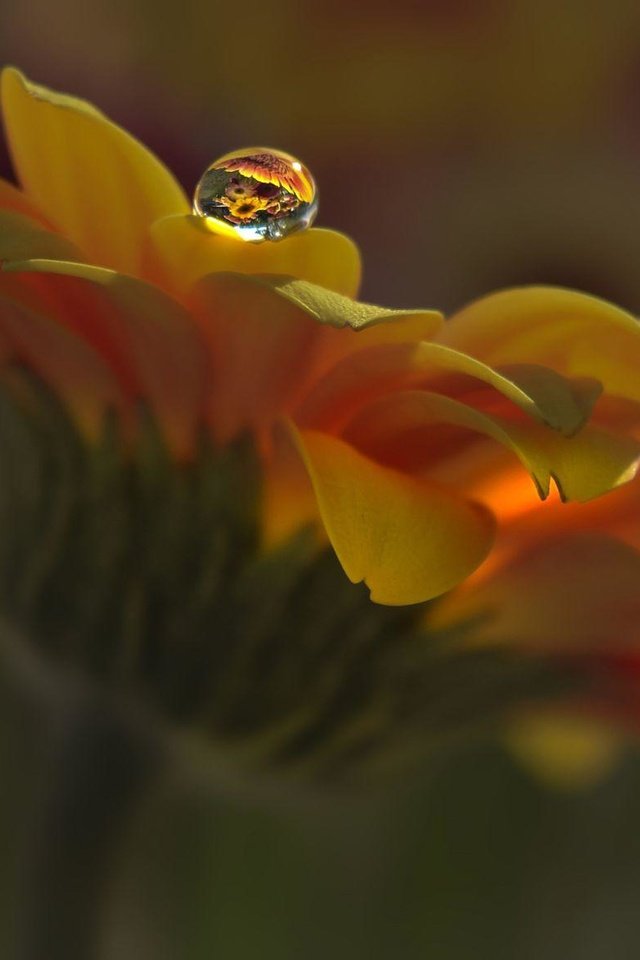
<point>578,592</point>
<point>397,427</point>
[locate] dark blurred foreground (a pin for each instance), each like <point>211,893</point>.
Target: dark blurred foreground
<point>473,860</point>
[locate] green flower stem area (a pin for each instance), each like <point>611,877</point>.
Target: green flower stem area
<point>296,709</point>
<point>476,861</point>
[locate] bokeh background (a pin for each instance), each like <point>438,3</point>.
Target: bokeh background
<point>466,145</point>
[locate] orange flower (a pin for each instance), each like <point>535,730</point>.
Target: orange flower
<point>263,166</point>
<point>383,428</point>
<point>564,578</point>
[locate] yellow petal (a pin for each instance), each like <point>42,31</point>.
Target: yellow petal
<point>593,462</point>
<point>147,339</point>
<point>576,334</point>
<point>98,185</point>
<point>63,361</point>
<point>584,466</point>
<point>335,310</point>
<point>578,592</point>
<point>409,541</point>
<point>184,250</point>
<point>342,318</point>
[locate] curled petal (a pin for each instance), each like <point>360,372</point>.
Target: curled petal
<point>409,541</point>
<point>348,326</point>
<point>541,393</point>
<point>97,184</point>
<point>584,466</point>
<point>334,310</point>
<point>183,250</point>
<point>576,334</point>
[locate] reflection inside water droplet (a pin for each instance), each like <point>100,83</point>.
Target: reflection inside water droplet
<point>257,194</point>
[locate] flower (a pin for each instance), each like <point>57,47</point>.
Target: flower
<point>237,189</point>
<point>243,209</point>
<point>264,167</point>
<point>563,581</point>
<point>401,440</point>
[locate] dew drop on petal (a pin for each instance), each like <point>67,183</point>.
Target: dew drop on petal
<point>257,194</point>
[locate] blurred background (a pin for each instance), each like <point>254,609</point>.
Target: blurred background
<point>465,145</point>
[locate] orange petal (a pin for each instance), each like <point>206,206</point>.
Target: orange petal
<point>347,326</point>
<point>97,184</point>
<point>617,514</point>
<point>184,250</point>
<point>574,333</point>
<point>147,339</point>
<point>259,347</point>
<point>396,428</point>
<point>79,377</point>
<point>267,336</point>
<point>540,392</point>
<point>579,592</point>
<point>288,502</point>
<point>409,541</point>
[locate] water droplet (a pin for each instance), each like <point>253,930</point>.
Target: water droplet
<point>257,194</point>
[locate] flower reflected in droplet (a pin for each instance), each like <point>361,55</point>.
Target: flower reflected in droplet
<point>239,189</point>
<point>272,167</point>
<point>244,208</point>
<point>282,182</point>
